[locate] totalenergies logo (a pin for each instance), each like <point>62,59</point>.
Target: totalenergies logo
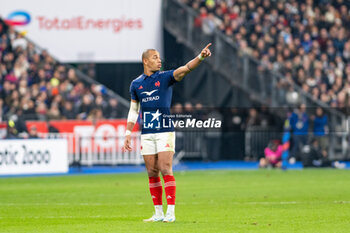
<point>80,22</point>
<point>18,18</point>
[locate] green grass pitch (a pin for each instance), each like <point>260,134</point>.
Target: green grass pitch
<point>207,201</point>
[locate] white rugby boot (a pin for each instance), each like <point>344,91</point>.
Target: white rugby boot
<point>169,218</point>
<point>155,218</point>
<point>170,214</point>
<point>158,215</point>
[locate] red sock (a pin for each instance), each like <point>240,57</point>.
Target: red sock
<point>170,189</point>
<point>155,187</point>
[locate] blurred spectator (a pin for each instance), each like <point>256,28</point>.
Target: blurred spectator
<point>177,109</point>
<point>266,118</point>
<point>273,155</point>
<point>54,112</point>
<point>68,111</point>
<point>200,113</point>
<point>100,103</point>
<point>95,115</point>
<point>85,106</point>
<point>1,109</point>
<point>320,129</point>
<point>299,122</point>
<point>41,111</point>
<point>188,108</point>
<point>33,133</point>
<point>313,156</point>
<point>253,118</point>
<point>18,120</point>
<point>12,132</point>
<point>112,110</point>
<point>20,41</point>
<point>233,127</point>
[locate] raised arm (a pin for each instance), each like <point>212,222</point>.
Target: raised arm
<point>132,118</point>
<point>180,72</point>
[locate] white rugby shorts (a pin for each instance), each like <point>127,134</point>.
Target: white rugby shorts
<point>153,143</point>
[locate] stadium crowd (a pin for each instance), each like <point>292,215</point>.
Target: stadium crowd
<point>34,86</point>
<point>307,41</point>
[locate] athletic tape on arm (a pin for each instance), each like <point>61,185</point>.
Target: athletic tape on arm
<point>133,111</point>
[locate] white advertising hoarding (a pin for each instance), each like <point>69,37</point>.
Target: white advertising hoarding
<point>86,30</point>
<point>33,156</point>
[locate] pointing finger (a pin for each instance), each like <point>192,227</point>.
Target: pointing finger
<point>208,45</point>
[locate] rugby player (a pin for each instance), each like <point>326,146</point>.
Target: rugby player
<point>152,93</point>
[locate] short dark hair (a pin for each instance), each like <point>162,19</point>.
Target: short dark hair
<point>145,54</point>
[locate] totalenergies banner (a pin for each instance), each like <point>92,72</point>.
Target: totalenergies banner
<point>88,31</point>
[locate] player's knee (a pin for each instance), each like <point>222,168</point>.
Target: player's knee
<point>152,172</point>
<point>166,169</point>
<point>167,172</point>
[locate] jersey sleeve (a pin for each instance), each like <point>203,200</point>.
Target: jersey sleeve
<point>169,75</point>
<point>133,92</point>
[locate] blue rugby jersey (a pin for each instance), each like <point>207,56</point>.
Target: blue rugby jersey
<point>154,94</point>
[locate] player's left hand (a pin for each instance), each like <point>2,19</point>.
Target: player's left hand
<point>127,143</point>
<point>206,51</point>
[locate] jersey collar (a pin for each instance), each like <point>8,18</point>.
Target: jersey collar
<point>152,76</point>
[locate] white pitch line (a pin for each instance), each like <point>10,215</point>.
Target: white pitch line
<point>342,202</point>
<point>140,203</point>
<point>64,217</point>
<point>67,204</point>
<point>277,202</point>
<point>274,203</point>
<point>193,203</point>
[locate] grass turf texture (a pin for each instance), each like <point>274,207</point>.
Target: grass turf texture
<point>207,201</point>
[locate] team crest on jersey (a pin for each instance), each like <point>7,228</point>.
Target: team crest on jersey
<point>140,87</point>
<point>157,84</point>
